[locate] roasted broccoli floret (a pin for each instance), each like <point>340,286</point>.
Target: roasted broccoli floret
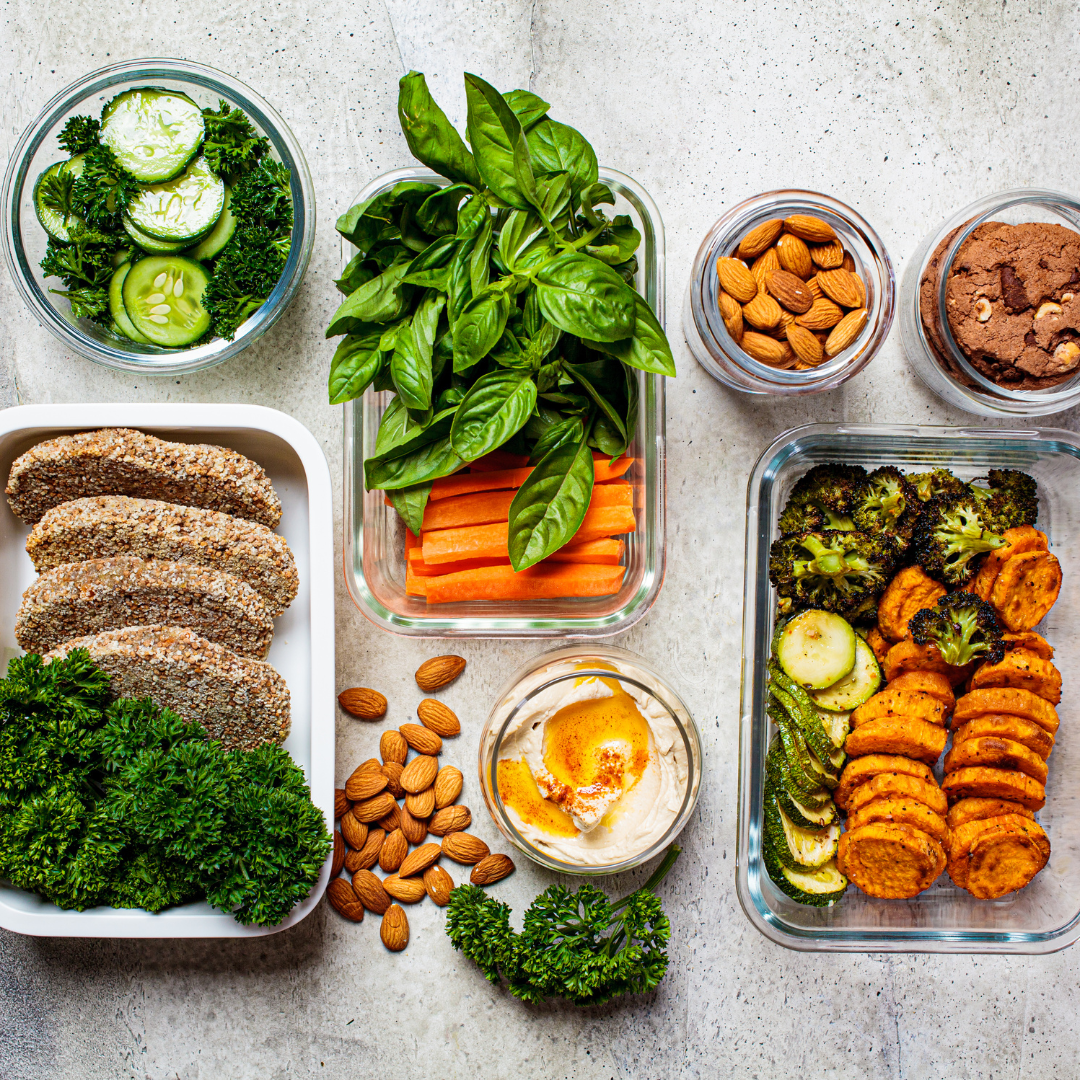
<point>963,626</point>
<point>887,503</point>
<point>1009,497</point>
<point>832,569</point>
<point>951,532</point>
<point>938,482</point>
<point>823,499</point>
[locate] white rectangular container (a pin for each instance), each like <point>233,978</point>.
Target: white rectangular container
<point>303,648</point>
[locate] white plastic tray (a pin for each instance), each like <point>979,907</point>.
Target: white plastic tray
<point>303,648</point>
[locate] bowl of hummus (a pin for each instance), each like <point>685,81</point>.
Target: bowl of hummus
<point>590,762</point>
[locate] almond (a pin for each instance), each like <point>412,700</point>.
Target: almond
<point>368,855</point>
<point>393,747</point>
<point>421,805</point>
<point>421,739</point>
<point>731,313</point>
<point>846,331</point>
<point>341,802</point>
<point>338,859</point>
<point>394,930</point>
<point>810,228</point>
<point>372,809</point>
<point>392,770</point>
<point>364,784</point>
<point>790,290</point>
<point>372,764</point>
<point>823,314</point>
<point>447,786</point>
<point>392,820</point>
<point>787,319</point>
<point>763,311</point>
<point>420,773</point>
<point>848,263</point>
<point>794,256</point>
<point>828,256</point>
<point>344,900</point>
<point>407,890</point>
<point>419,859</point>
<point>415,829</point>
<point>449,820</point>
<point>353,832</point>
<point>805,345</point>
<point>394,850</point>
<point>860,287</point>
<point>371,892</point>
<point>363,702</point>
<point>436,716</point>
<point>814,287</point>
<point>438,672</point>
<point>736,279</point>
<point>841,286</point>
<point>465,848</point>
<point>491,869</point>
<point>759,238</point>
<point>763,266</point>
<point>766,349</point>
<point>439,885</point>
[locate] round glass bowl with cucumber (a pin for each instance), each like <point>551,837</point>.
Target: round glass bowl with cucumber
<point>176,220</point>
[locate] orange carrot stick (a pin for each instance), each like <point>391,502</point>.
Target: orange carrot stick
<point>422,569</point>
<point>606,551</point>
<point>470,483</point>
<point>414,585</point>
<point>537,583</point>
<point>499,459</point>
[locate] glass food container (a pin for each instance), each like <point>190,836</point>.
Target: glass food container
<point>716,350</point>
<point>928,341</point>
<point>25,240</point>
<point>1041,918</point>
<point>576,662</point>
<point>374,539</point>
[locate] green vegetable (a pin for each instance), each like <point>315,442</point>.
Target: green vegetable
<point>963,626</point>
<point>85,265</point>
<point>1010,498</point>
<point>887,503</point>
<point>562,950</point>
<point>815,648</point>
<point>824,498</point>
<point>103,189</point>
<point>79,134</point>
<point>952,530</point>
<point>231,144</point>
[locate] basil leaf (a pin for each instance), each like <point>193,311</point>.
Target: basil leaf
<point>550,506</point>
<point>480,260</point>
<point>541,419</point>
<point>410,503</point>
<point>478,328</point>
<point>431,137</point>
<point>354,275</point>
<point>584,297</point>
<point>527,107</point>
<point>541,344</point>
<point>442,354</point>
<point>616,243</point>
<point>554,194</point>
<point>495,408</point>
<point>554,436</point>
<point>556,147</point>
<point>648,349</point>
<point>593,196</point>
<point>364,223</point>
<point>430,269</point>
<point>458,289</point>
<point>438,213</point>
<point>606,438</point>
<point>410,365</point>
<point>607,410</point>
<point>399,434</point>
<point>412,236</point>
<point>633,396</point>
<point>520,227</point>
<point>379,300</point>
<point>499,145</point>
<point>355,364</point>
<point>471,217</point>
<point>427,462</point>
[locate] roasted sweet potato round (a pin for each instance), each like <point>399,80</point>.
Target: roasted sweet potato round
<point>962,837</point>
<point>927,682</point>
<point>889,860</point>
<point>860,770</point>
<point>909,655</point>
<point>911,590</point>
<point>1022,538</point>
<point>988,783</point>
<point>1005,699</point>
<point>877,642</point>
<point>1002,753</point>
<point>1021,670</point>
<point>1005,858</point>
<point>1026,589</point>
<point>893,702</point>
<point>900,784</point>
<point>967,810</point>
<point>1029,641</point>
<point>1025,732</point>
<point>903,810</point>
<point>911,737</point>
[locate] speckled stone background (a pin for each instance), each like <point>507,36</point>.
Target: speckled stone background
<point>906,110</point>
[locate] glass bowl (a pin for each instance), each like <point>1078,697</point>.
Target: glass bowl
<point>1041,918</point>
<point>375,535</point>
<point>24,239</point>
<point>717,351</point>
<point>928,341</point>
<point>574,662</point>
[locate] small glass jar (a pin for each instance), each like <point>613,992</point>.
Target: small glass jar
<point>928,340</point>
<point>576,662</point>
<point>717,351</point>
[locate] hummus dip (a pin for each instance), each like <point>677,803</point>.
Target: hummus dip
<point>592,771</point>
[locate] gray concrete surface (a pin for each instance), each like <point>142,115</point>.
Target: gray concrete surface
<point>906,110</point>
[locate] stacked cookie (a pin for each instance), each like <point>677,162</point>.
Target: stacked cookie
<point>161,560</point>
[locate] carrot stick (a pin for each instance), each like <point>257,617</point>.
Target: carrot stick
<point>422,569</point>
<point>414,585</point>
<point>470,483</point>
<point>608,552</point>
<point>411,540</point>
<point>499,459</point>
<point>536,583</point>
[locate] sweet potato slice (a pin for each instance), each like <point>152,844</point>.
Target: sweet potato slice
<point>905,812</point>
<point>926,682</point>
<point>988,783</point>
<point>901,785</point>
<point>893,702</point>
<point>1004,857</point>
<point>906,735</point>
<point>1001,753</point>
<point>963,837</point>
<point>1026,589</point>
<point>908,655</point>
<point>890,860</point>
<point>877,643</point>
<point>1029,641</point>
<point>1009,701</point>
<point>967,810</point>
<point>859,771</point>
<point>911,590</point>
<point>1025,732</point>
<point>1022,538</point>
<point>1021,670</point>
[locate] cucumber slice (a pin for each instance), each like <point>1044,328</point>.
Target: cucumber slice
<point>124,326</point>
<point>52,220</point>
<point>180,210</point>
<point>153,133</point>
<point>807,847</point>
<point>212,243</point>
<point>163,298</point>
<point>148,243</point>
<point>816,648</point>
<point>860,684</point>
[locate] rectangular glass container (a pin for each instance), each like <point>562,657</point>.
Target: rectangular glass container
<point>374,539</point>
<point>1041,918</point>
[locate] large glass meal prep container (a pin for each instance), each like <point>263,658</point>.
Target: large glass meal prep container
<point>374,539</point>
<point>1043,917</point>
